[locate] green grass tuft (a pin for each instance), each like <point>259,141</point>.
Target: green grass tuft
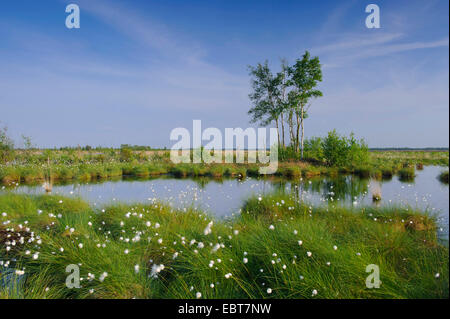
<point>260,249</point>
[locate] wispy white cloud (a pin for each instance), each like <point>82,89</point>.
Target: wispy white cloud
<point>145,31</point>
<point>182,60</point>
<point>166,62</point>
<point>400,47</point>
<point>355,41</point>
<point>344,52</point>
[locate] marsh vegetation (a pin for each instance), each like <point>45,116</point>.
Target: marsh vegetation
<point>82,165</point>
<point>277,248</point>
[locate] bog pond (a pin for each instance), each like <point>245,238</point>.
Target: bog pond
<point>225,197</point>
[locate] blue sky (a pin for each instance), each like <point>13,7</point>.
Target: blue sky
<point>137,69</point>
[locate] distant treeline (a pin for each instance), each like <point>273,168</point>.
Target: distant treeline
<point>148,148</point>
<point>442,149</point>
<point>122,146</point>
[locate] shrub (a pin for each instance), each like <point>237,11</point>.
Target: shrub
<point>126,154</point>
<point>335,149</point>
<point>358,151</point>
<point>6,146</point>
<point>342,151</point>
<point>313,149</point>
<point>287,153</point>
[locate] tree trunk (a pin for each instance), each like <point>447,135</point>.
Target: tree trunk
<point>282,130</point>
<point>297,136</point>
<point>278,132</point>
<point>303,130</point>
<point>291,128</point>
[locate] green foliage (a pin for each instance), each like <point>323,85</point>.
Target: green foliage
<point>313,149</point>
<point>342,151</point>
<point>285,96</point>
<point>265,95</point>
<point>335,149</point>
<point>304,77</point>
<point>358,151</point>
<point>126,154</point>
<point>6,146</point>
<point>73,164</point>
<point>136,147</point>
<point>27,142</point>
<point>287,154</point>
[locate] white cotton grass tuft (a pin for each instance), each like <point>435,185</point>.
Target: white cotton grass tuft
<point>156,269</point>
<point>208,230</point>
<point>103,276</point>
<point>215,248</point>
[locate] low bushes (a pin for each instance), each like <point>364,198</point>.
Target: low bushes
<point>342,151</point>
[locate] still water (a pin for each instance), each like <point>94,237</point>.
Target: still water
<point>225,197</point>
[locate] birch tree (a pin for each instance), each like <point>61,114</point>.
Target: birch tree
<point>265,96</point>
<point>304,77</point>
